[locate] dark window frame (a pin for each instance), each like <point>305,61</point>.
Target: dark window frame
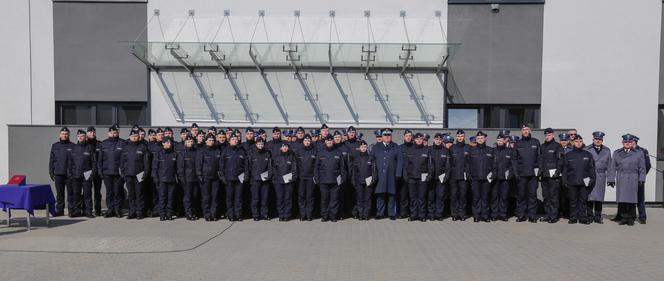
<point>484,111</point>
<point>115,108</point>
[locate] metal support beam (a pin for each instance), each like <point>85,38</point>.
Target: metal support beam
<point>408,49</point>
<point>238,94</point>
<point>254,58</point>
<point>341,89</point>
<point>381,99</point>
<point>418,102</point>
<point>170,96</point>
<point>181,58</point>
<point>290,56</point>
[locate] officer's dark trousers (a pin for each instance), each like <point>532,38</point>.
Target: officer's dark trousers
<point>481,192</point>
<point>578,197</point>
<point>179,199</point>
<point>458,198</point>
<point>564,202</point>
<point>436,199</point>
<point>305,197</point>
<point>114,194</point>
<point>135,196</point>
<point>259,196</point>
<point>210,197</point>
<point>81,187</point>
<point>550,192</point>
<point>191,196</point>
<point>642,202</point>
<point>284,192</point>
<point>417,191</point>
<point>167,199</point>
<point>526,200</point>
<point>96,184</point>
<point>363,196</point>
<point>62,187</point>
<point>234,199</point>
<point>499,193</point>
<point>404,201</point>
<point>594,209</point>
<point>627,211</point>
<point>329,200</point>
<point>153,193</point>
<point>381,205</point>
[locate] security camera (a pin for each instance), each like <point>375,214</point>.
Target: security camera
<point>495,8</point>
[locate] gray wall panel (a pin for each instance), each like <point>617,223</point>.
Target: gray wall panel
<point>500,59</point>
<point>661,61</point>
<point>90,62</point>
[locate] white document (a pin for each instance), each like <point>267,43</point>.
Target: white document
<point>507,174</point>
<point>139,177</point>
<point>586,181</point>
<point>264,176</point>
<point>441,178</point>
<point>552,172</point>
<point>368,180</point>
<point>465,177</point>
<point>87,174</point>
<point>536,171</point>
<point>339,180</point>
<point>424,176</point>
<point>488,177</point>
<point>288,177</point>
<point>241,178</point>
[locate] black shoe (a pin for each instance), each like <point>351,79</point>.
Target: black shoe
<point>411,219</point>
<point>265,218</point>
<point>131,217</point>
<point>504,219</point>
<point>585,221</point>
<point>423,220</point>
<point>333,220</point>
<point>630,223</point>
<point>162,218</point>
<point>455,219</point>
<point>140,217</point>
<point>59,214</point>
<point>90,216</point>
<point>323,219</point>
<point>98,213</point>
<point>380,217</point>
<point>572,221</point>
<point>532,220</point>
<point>494,219</point>
<point>642,221</point>
<point>256,219</point>
<point>598,221</point>
<point>616,219</point>
<point>109,215</point>
<point>462,219</point>
<point>486,220</point>
<point>553,221</point>
<point>393,218</point>
<point>543,219</point>
<point>520,219</point>
<point>476,220</point>
<point>119,216</point>
<point>309,219</point>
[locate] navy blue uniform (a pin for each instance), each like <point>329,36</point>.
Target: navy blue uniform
<point>441,165</point>
<point>152,194</point>
<point>418,172</point>
<point>233,166</point>
<point>96,180</point>
<point>260,162</point>
<point>504,171</point>
<point>164,173</point>
<point>481,166</point>
<point>189,180</point>
<point>578,165</point>
<point>108,166</point>
<point>135,159</point>
<point>58,166</point>
<point>208,172</point>
<point>363,167</point>
<point>82,162</point>
<point>527,160</point>
<point>329,168</point>
<point>551,165</point>
<point>306,158</point>
<point>641,205</point>
<point>459,158</point>
<point>404,200</point>
<point>284,164</point>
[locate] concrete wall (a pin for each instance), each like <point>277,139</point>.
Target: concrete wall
<point>26,77</point>
<point>500,59</point>
<point>601,70</point>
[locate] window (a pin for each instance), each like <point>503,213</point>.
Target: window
<point>87,113</point>
<point>492,116</point>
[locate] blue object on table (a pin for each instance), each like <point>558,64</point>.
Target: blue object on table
<point>27,197</point>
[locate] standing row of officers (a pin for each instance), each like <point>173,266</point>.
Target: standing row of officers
<point>214,175</point>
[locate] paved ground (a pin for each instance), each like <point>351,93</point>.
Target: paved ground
<point>118,249</point>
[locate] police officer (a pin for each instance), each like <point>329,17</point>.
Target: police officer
<point>626,172</point>
<point>564,141</point>
<point>275,143</point>
<point>188,178</point>
<point>641,195</point>
<point>504,170</point>
<point>329,174</point>
<point>152,193</point>
<point>406,146</point>
<point>364,175</point>
<point>82,168</point>
<point>284,171</point>
<point>578,175</point>
<point>135,168</point>
<point>440,159</point>
<point>108,166</point>
<point>58,166</point>
<point>305,165</point>
<point>194,129</point>
<point>389,161</point>
<point>527,160</point>
<point>208,172</point>
<point>91,134</point>
<point>482,173</point>
<point>299,137</point>
<point>550,164</point>
<point>459,160</point>
<point>179,145</point>
<point>233,168</point>
<point>164,173</point>
<point>250,140</point>
<point>346,195</point>
<point>418,171</point>
<point>260,162</point>
<point>602,156</point>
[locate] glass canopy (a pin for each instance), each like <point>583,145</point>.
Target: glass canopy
<point>381,84</point>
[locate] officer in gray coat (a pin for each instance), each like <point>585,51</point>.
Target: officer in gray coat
<point>626,172</point>
<point>602,156</point>
<point>389,161</point>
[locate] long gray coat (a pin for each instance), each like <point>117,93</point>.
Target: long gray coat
<point>602,162</point>
<point>389,162</point>
<point>627,169</point>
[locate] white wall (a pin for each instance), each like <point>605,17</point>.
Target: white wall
<point>423,26</point>
<point>601,70</point>
<point>26,77</point>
